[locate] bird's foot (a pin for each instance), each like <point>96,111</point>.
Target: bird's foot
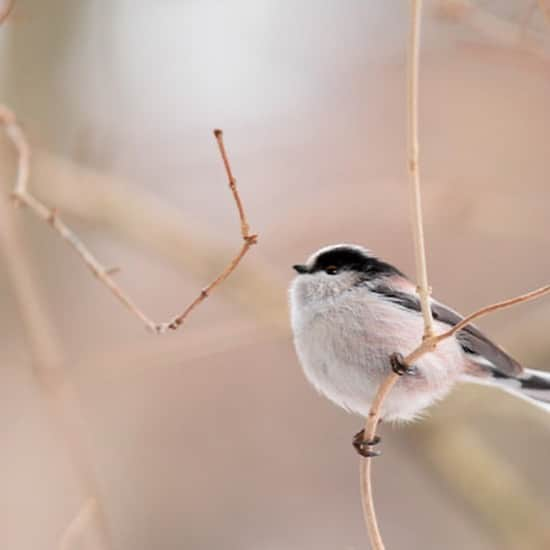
<point>364,447</point>
<point>399,366</point>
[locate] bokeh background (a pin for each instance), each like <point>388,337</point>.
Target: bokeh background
<point>210,437</point>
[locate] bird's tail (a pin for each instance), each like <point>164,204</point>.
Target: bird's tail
<point>531,385</point>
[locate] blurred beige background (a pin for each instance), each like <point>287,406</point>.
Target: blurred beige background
<point>210,437</point>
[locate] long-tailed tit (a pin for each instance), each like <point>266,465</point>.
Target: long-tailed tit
<point>352,312</point>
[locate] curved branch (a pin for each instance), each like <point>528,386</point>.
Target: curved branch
<point>427,346</point>
<point>430,341</point>
<point>420,258</point>
<point>22,195</point>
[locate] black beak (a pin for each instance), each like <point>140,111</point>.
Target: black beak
<point>300,268</point>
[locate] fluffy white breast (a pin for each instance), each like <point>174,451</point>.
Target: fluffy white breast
<point>344,336</point>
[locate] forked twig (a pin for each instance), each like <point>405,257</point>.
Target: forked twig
<point>430,340</point>
<point>248,241</point>
<point>428,345</point>
<point>22,195</point>
<point>423,288</point>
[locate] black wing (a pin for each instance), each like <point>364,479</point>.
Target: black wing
<point>470,338</point>
<point>474,341</point>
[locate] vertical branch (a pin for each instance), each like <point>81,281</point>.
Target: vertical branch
<point>426,346</point>
<point>245,228</point>
<point>365,466</point>
<point>423,288</point>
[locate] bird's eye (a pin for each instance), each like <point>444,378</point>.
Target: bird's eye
<point>331,270</point>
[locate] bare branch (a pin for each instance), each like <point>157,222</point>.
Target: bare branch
<point>218,134</point>
<point>430,341</point>
<point>420,258</point>
<point>427,346</point>
<point>191,246</point>
<point>501,32</point>
<point>248,241</point>
<point>365,466</point>
<point>423,288</point>
<point>23,196</point>
<point>489,309</point>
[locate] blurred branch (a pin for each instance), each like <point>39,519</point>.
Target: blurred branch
<point>499,30</point>
<point>105,201</point>
<point>498,496</point>
<point>50,216</point>
<point>5,9</point>
<point>75,529</point>
<point>58,393</point>
<point>22,196</point>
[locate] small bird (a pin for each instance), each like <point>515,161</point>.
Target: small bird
<point>355,316</point>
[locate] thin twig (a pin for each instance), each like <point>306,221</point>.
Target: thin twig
<point>430,341</point>
<point>423,288</point>
<point>428,345</point>
<point>191,246</point>
<point>218,134</point>
<point>365,466</point>
<point>248,241</point>
<point>22,195</point>
<point>489,309</point>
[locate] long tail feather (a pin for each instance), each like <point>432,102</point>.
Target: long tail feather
<point>532,386</point>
